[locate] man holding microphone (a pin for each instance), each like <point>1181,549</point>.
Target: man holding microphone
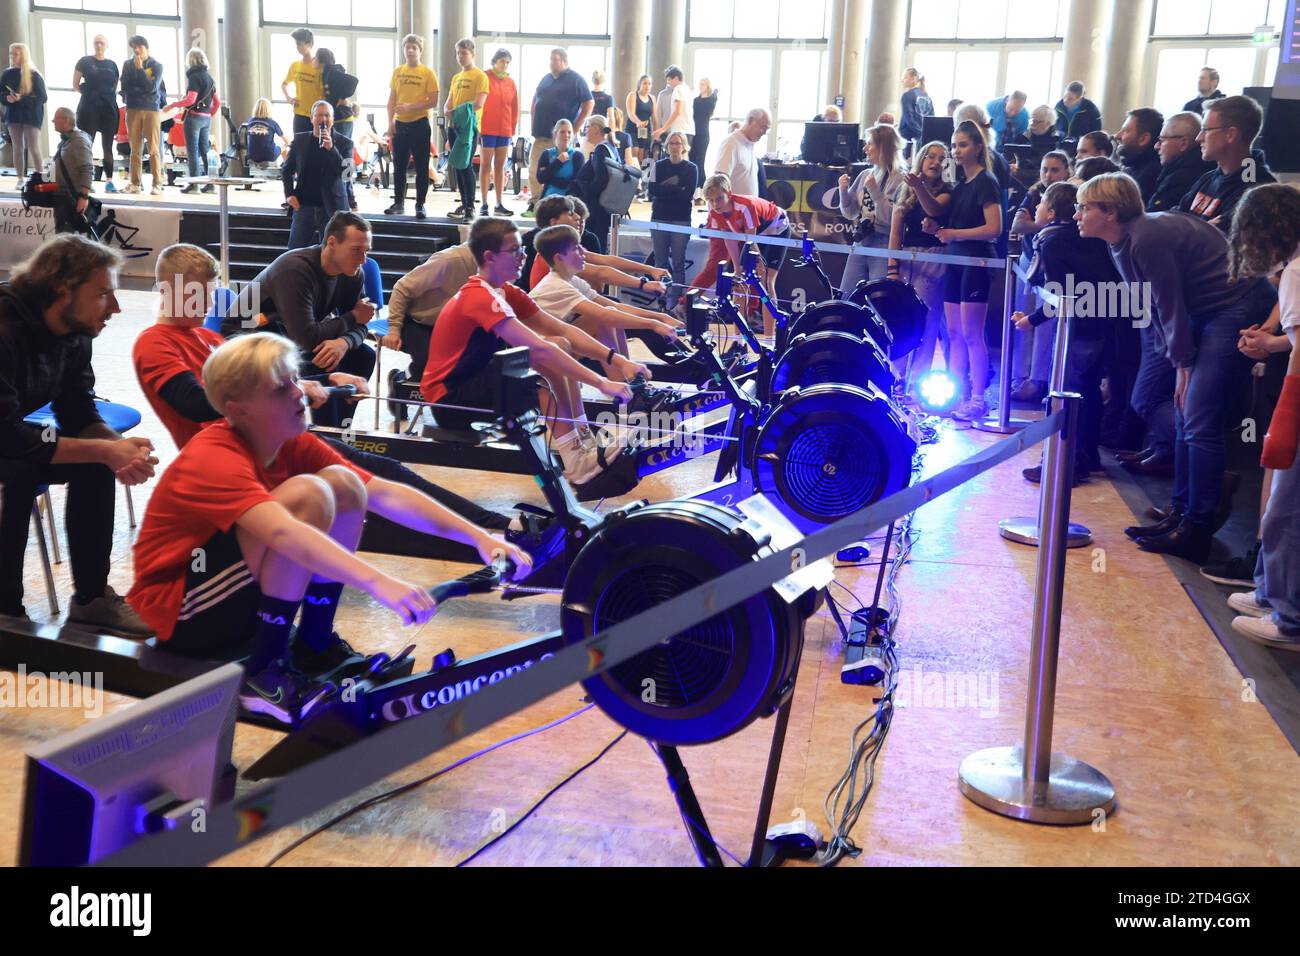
<point>313,174</point>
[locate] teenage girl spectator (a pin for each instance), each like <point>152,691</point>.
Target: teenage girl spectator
<point>1266,231</point>
<point>1076,115</point>
<point>263,131</point>
<point>642,118</point>
<point>1096,143</point>
<point>558,166</point>
<point>1092,167</point>
<point>338,87</point>
<point>500,120</point>
<point>705,102</point>
<point>974,225</point>
<point>869,201</point>
<point>925,193</point>
<point>601,101</point>
<point>24,93</point>
<point>973,112</point>
<point>96,79</point>
<point>673,182</point>
<point>200,104</point>
<point>917,105</point>
<point>590,181</point>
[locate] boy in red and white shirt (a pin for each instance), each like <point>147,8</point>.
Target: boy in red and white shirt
<point>255,516</point>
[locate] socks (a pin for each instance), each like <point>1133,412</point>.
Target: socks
<point>318,609</point>
<point>271,640</point>
<point>580,464</point>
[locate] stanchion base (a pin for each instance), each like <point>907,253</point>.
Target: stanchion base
<point>1025,531</point>
<point>992,424</point>
<point>993,779</point>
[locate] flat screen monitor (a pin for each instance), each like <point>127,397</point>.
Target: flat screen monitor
<point>830,144</point>
<point>91,792</point>
<point>936,128</point>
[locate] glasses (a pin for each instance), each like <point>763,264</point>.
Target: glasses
<point>1211,129</point>
<point>1167,138</point>
<point>1082,207</point>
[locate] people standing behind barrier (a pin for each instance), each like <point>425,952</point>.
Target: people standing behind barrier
<point>305,76</point>
<point>1063,259</point>
<point>412,92</point>
<point>740,160</point>
<point>746,216</point>
<point>1200,311</point>
<point>25,96</point>
<point>601,100</point>
<point>925,193</point>
<point>500,121</point>
<point>1136,148</point>
<point>74,170</point>
<point>1094,144</point>
<point>672,185</point>
<point>142,79</point>
<point>1207,91</point>
<point>200,104</point>
<point>95,77</point>
<point>1266,232</point>
<point>559,165</point>
<point>313,177</point>
<point>642,118</point>
<point>973,227</point>
<point>263,131</point>
<point>590,181</point>
<point>1000,168</point>
<point>1181,163</point>
<point>1076,115</point>
<point>868,202</point>
<point>705,102</point>
<point>679,118</point>
<point>916,106</point>
<point>466,95</point>
<point>561,94</point>
<point>1008,118</point>
<point>1231,125</point>
<point>1042,136</point>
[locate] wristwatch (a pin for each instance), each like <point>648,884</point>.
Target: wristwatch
<point>644,280</point>
<point>609,359</point>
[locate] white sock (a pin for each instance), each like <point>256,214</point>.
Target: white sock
<point>580,463</point>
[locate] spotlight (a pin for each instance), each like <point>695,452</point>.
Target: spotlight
<point>937,391</point>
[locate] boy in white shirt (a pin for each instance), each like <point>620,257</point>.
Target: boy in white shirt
<point>567,296</point>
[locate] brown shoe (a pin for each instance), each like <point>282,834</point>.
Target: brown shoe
<point>1155,466</point>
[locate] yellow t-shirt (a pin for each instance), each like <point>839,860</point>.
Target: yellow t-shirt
<point>412,85</point>
<point>465,86</point>
<point>306,86</point>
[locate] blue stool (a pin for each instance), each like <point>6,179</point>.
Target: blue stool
<point>120,418</point>
<point>222,299</point>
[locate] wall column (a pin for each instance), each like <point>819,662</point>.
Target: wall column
<point>241,87</point>
<point>199,29</point>
<point>457,23</point>
<point>1126,55</point>
<point>1085,50</point>
<point>13,25</point>
<point>667,45</point>
<point>416,16</point>
<point>884,66</point>
<point>628,28</point>
<point>835,52</point>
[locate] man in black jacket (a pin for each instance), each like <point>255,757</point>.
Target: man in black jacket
<point>314,296</point>
<point>1075,114</point>
<point>313,176</point>
<point>1207,91</point>
<point>1137,148</point>
<point>1231,125</point>
<point>54,305</point>
<point>1181,164</point>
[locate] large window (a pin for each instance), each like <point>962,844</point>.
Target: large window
<point>342,13</point>
<point>982,74</point>
<point>988,19</point>
<point>1176,18</point>
<point>140,8</point>
<point>378,52</point>
<point>757,19</point>
<point>558,18</point>
<point>532,61</point>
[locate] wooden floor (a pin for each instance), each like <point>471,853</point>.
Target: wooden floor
<point>1146,694</point>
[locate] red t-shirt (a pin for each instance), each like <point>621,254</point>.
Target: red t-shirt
<point>209,487</point>
<point>463,343</point>
<point>501,109</point>
<point>538,273</point>
<point>161,353</point>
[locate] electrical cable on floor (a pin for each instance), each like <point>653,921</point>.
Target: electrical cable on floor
<point>398,791</point>
<point>546,796</point>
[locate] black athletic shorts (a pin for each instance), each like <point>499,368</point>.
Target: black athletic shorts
<point>773,255</point>
<point>479,391</point>
<point>966,284</point>
<point>219,611</point>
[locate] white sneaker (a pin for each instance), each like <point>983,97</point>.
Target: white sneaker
<point>1264,631</point>
<point>971,411</point>
<point>156,190</point>
<point>130,188</point>
<point>1244,602</point>
<point>582,462</point>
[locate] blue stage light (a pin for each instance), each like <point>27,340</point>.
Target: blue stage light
<point>937,391</point>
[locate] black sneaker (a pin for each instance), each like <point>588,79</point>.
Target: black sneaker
<point>282,693</point>
<point>319,664</point>
<point>1238,571</point>
<point>541,536</point>
<point>1034,475</point>
<point>419,211</point>
<point>396,209</point>
<point>500,210</point>
<point>483,210</point>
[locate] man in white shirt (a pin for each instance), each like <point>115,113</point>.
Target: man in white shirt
<point>679,118</point>
<point>567,296</point>
<point>739,158</point>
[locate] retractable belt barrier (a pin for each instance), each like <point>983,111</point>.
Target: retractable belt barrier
<point>231,826</point>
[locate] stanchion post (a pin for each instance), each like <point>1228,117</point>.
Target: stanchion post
<point>1029,782</point>
<point>1002,423</point>
<point>612,291</point>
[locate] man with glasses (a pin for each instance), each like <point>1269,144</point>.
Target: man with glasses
<point>1231,125</point>
<point>1181,164</point>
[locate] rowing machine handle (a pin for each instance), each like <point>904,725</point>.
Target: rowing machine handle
<point>347,391</point>
<point>482,581</point>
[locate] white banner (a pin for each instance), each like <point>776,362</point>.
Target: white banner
<point>138,233</point>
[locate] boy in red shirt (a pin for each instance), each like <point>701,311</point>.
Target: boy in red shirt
<point>489,314</point>
<point>250,509</point>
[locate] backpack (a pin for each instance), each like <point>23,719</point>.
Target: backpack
<point>621,183</point>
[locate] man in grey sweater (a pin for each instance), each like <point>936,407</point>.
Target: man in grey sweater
<point>417,301</point>
<point>315,297</point>
<point>74,169</point>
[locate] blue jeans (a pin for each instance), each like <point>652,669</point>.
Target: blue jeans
<point>859,267</point>
<point>1219,369</point>
<point>1153,393</point>
<point>196,142</point>
<point>1277,572</point>
<point>670,254</point>
<point>308,223</point>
